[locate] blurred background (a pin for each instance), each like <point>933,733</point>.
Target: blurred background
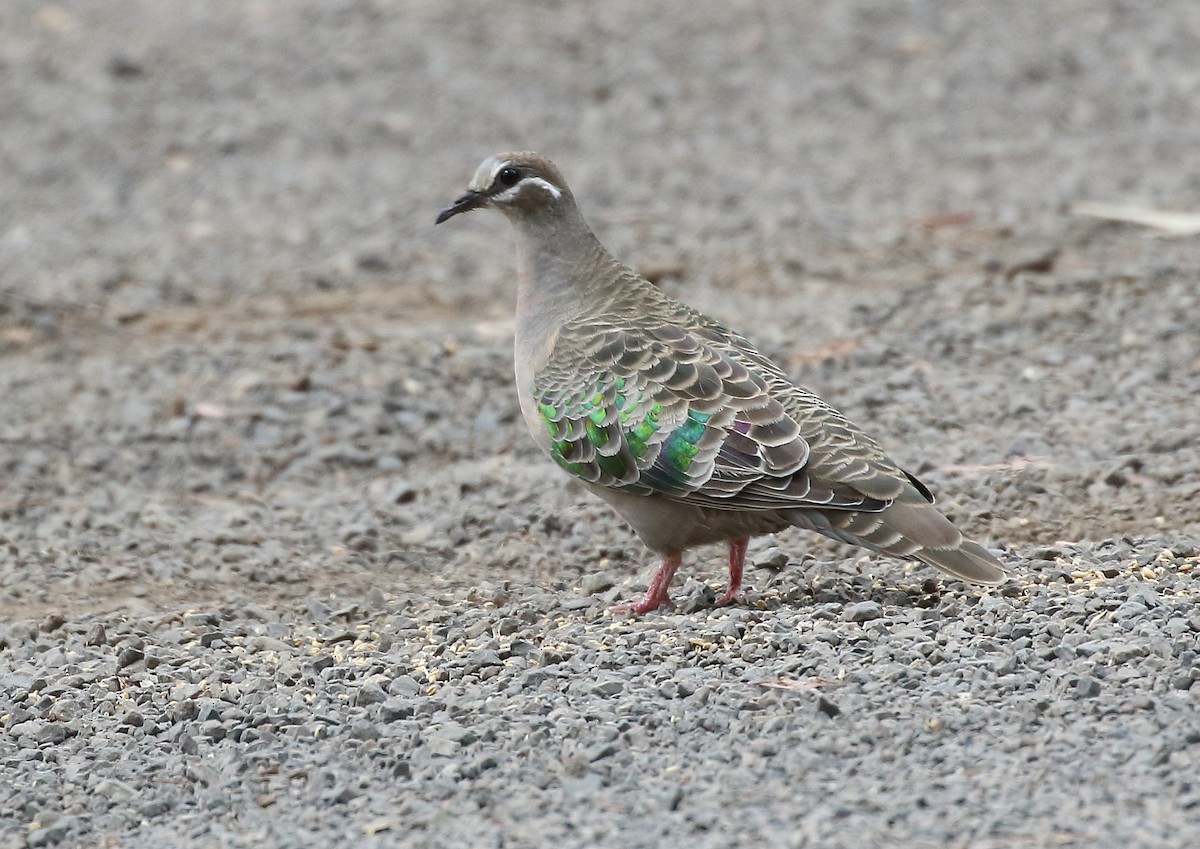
<point>178,153</point>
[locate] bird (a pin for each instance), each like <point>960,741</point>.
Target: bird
<point>679,423</point>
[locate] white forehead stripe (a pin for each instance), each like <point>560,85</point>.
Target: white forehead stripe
<point>485,174</point>
<point>485,178</point>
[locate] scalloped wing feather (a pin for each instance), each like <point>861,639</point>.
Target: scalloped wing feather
<point>678,413</point>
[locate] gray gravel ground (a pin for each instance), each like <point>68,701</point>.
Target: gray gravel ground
<point>279,566</point>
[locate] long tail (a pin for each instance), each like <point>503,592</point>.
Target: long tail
<point>911,530</point>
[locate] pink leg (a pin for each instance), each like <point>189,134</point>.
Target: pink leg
<point>658,593</point>
<point>737,563</point>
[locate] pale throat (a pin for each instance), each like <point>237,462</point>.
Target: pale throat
<point>556,265</point>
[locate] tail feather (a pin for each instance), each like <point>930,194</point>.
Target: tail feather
<point>910,530</point>
<point>970,561</point>
<point>932,538</point>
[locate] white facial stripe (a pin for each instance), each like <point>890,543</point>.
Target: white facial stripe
<point>485,174</point>
<point>510,194</point>
<point>538,181</point>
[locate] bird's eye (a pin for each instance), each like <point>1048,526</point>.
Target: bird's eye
<point>508,176</point>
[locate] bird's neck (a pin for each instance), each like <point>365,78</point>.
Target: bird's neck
<point>564,272</point>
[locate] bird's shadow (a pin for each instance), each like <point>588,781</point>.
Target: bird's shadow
<point>811,584</point>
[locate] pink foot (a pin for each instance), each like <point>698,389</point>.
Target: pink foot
<point>658,593</point>
<point>727,598</point>
<point>737,564</point>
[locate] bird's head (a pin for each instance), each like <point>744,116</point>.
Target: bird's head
<point>521,185</point>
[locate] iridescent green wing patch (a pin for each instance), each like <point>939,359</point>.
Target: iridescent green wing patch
<point>672,469</point>
<point>688,411</point>
<point>587,429</point>
<point>611,434</point>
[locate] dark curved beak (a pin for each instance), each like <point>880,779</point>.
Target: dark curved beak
<point>463,203</point>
